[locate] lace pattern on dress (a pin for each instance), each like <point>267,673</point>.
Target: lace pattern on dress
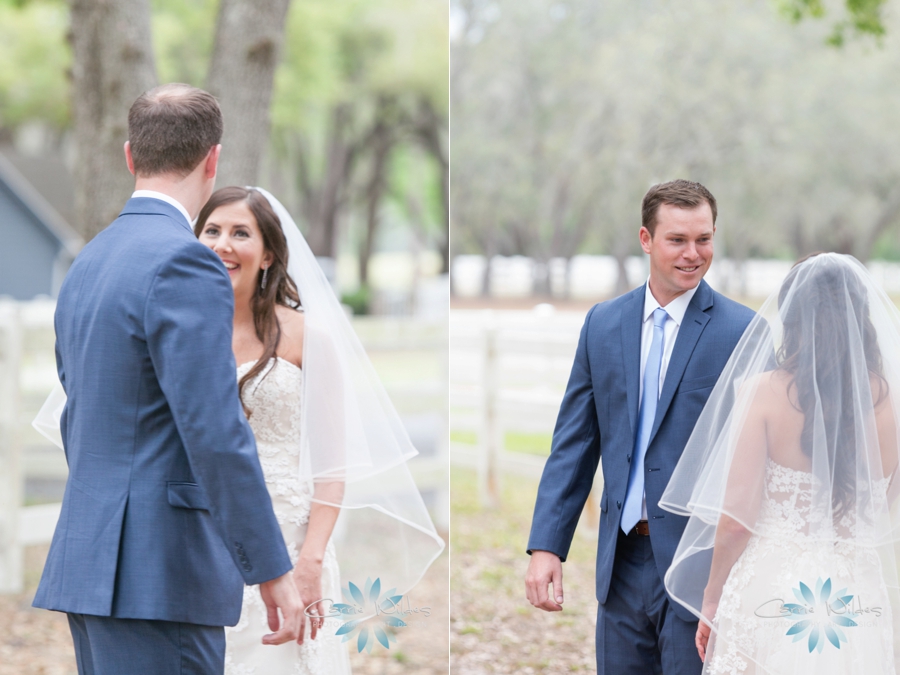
<point>776,558</point>
<point>273,398</point>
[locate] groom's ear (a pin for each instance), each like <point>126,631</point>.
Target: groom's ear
<point>212,161</point>
<point>129,160</point>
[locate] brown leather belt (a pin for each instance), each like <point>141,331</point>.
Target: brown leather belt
<point>642,528</point>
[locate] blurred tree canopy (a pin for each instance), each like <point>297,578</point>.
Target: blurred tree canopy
<point>565,112</point>
<point>860,17</point>
<point>358,112</point>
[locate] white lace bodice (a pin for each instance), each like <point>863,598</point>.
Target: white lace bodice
<point>787,509</point>
<point>273,398</point>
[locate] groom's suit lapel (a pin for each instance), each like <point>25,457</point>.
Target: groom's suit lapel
<point>632,319</point>
<point>695,320</point>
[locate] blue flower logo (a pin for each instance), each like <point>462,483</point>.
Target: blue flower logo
<point>830,613</point>
<point>367,609</point>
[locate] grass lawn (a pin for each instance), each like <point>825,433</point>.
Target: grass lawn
<point>493,628</point>
<point>514,441</point>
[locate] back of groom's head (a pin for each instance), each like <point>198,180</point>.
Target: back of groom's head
<point>171,129</point>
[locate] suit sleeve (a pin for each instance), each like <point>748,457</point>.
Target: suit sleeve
<point>575,453</point>
<point>188,323</point>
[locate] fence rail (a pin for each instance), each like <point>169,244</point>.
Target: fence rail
<point>28,373</point>
<point>508,374</point>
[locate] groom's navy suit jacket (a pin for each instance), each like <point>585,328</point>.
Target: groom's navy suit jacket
<point>599,416</point>
<point>166,514</point>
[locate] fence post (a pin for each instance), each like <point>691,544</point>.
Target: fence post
<point>11,555</point>
<point>490,437</point>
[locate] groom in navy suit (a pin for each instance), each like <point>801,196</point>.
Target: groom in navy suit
<point>166,514</point>
<point>645,366</point>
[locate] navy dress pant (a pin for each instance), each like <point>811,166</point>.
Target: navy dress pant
<point>108,646</point>
<point>638,632</point>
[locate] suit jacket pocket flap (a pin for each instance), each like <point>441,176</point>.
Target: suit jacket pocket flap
<point>187,496</point>
<point>698,383</point>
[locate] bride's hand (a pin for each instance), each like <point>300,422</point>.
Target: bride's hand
<point>701,639</point>
<point>308,579</point>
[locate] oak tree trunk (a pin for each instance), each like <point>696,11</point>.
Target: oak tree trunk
<point>325,195</point>
<point>249,35</point>
<point>433,131</point>
<point>112,64</point>
<point>381,141</point>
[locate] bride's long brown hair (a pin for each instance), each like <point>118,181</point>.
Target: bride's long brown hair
<point>822,374</point>
<point>280,288</point>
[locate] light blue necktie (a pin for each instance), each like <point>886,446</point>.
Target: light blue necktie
<point>631,512</point>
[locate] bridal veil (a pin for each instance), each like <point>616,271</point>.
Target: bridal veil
<point>830,523</point>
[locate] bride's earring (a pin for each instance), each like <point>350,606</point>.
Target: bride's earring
<point>262,284</point>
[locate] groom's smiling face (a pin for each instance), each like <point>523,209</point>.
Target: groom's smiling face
<point>680,249</point>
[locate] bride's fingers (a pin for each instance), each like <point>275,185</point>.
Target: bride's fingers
<point>302,630</point>
<point>701,640</point>
<point>317,622</point>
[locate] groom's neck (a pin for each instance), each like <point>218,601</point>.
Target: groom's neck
<point>190,191</point>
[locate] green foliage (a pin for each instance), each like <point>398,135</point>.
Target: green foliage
<point>349,52</point>
<point>863,17</point>
<point>415,187</point>
<point>345,50</point>
<point>183,33</point>
<point>514,441</point>
<point>359,300</point>
<point>561,121</point>
<point>34,61</point>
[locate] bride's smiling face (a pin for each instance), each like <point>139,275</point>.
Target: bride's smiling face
<point>233,233</point>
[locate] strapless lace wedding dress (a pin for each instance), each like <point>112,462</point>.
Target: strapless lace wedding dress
<point>787,599</point>
<point>273,399</point>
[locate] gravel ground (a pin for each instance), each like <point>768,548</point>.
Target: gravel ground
<point>37,642</point>
<point>493,628</point>
<point>422,647</point>
<point>33,641</point>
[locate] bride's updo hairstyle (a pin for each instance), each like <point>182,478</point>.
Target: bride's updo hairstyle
<point>825,311</point>
<point>280,288</point>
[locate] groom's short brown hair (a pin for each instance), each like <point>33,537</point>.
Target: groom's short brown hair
<point>171,129</point>
<point>682,193</point>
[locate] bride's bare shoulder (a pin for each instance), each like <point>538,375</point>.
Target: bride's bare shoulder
<point>771,390</point>
<point>764,383</point>
<point>290,347</point>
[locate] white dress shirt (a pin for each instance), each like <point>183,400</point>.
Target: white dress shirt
<point>153,194</point>
<point>676,310</point>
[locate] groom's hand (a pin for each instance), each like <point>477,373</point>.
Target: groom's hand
<point>281,594</point>
<point>544,569</point>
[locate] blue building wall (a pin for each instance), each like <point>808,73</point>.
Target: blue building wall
<point>30,262</point>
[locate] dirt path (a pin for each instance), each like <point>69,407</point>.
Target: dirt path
<point>493,627</point>
<point>37,642</point>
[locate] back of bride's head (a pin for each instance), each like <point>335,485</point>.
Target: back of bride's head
<point>830,349</point>
<point>824,309</point>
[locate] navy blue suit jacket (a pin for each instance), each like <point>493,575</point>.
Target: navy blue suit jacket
<point>166,513</point>
<point>599,415</point>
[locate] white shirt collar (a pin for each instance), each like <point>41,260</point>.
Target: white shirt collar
<point>152,194</point>
<point>674,309</point>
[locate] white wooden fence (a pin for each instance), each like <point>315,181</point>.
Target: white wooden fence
<point>28,372</point>
<point>595,276</point>
<point>508,372</point>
